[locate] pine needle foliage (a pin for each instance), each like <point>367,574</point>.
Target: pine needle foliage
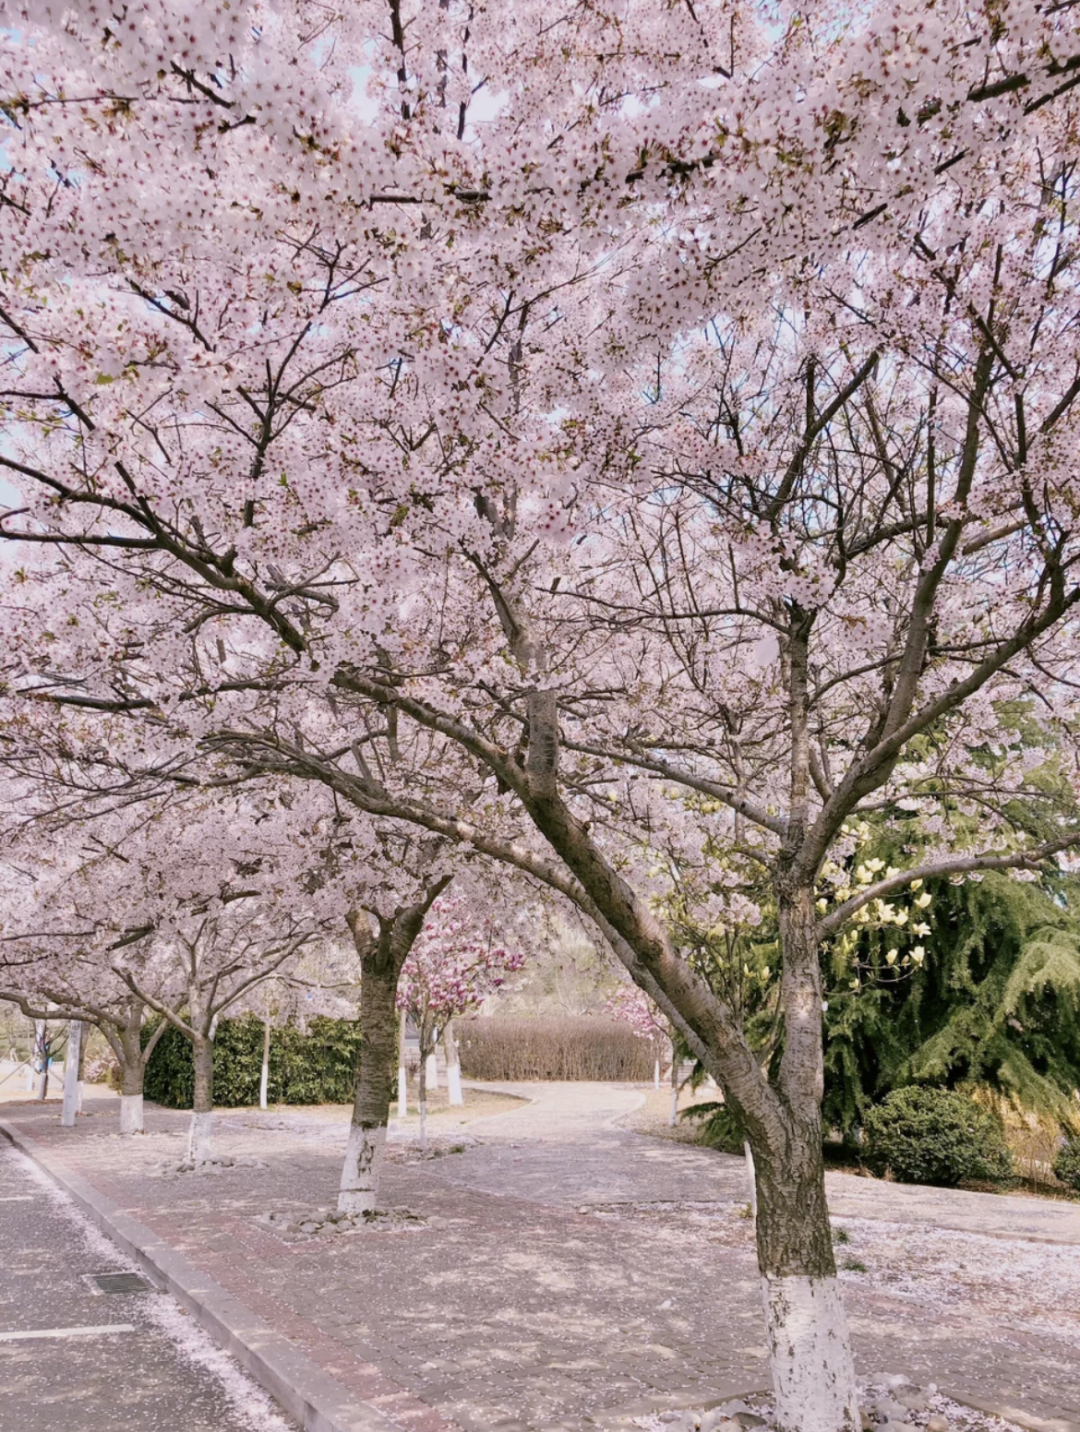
<point>995,1005</point>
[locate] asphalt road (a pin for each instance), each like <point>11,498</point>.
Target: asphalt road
<point>154,1370</point>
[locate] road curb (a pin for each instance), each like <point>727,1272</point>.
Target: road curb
<point>309,1395</point>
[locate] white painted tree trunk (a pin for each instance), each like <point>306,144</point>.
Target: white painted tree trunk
<point>453,1066</point>
<point>200,1137</point>
<point>810,1355</point>
<point>364,1156</point>
<point>752,1173</point>
<point>422,1100</point>
<point>202,1109</point>
<point>432,1071</point>
<point>131,1113</point>
<point>264,1077</point>
<point>70,1105</point>
<point>402,1072</point>
<point>41,1058</point>
<point>656,1073</point>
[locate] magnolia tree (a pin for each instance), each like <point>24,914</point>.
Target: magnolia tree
<point>630,1005</point>
<point>453,967</point>
<point>668,452</point>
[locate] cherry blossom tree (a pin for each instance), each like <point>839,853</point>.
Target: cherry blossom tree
<point>62,991</point>
<point>453,967</point>
<point>385,921</point>
<point>673,456</point>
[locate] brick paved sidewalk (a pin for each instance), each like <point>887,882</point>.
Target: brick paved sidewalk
<point>570,1270</point>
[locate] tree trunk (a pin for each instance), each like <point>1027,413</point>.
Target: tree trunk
<point>73,1054</point>
<point>751,1172</point>
<point>133,1060</point>
<point>656,1070</point>
<point>402,1074</point>
<point>453,1066</point>
<point>41,1058</point>
<point>673,1117</point>
<point>264,1076</point>
<point>423,1098</point>
<point>813,1372</point>
<point>80,1085</point>
<point>431,1070</point>
<point>202,1108</point>
<point>374,1086</point>
<point>131,1095</point>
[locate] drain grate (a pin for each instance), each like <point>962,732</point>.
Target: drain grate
<point>118,1283</point>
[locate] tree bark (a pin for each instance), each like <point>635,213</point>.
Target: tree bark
<point>41,1058</point>
<point>813,1371</point>
<point>131,1097</point>
<point>264,1075</point>
<point>381,960</point>
<point>374,1086</point>
<point>80,1085</point>
<point>453,1066</point>
<point>402,1073</point>
<point>133,1060</point>
<point>425,1064</point>
<point>202,1108</point>
<point>72,1058</point>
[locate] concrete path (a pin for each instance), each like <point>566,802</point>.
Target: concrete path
<point>612,1164</point>
<point>570,1270</point>
<point>126,1362</point>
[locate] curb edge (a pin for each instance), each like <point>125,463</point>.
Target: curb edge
<point>305,1393</point>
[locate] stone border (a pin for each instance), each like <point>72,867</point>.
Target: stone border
<point>306,1393</point>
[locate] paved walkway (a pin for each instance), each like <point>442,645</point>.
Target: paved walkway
<point>570,1270</point>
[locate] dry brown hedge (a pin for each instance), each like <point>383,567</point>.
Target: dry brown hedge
<point>559,1047</point>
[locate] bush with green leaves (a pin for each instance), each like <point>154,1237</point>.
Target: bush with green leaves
<point>720,1127</point>
<point>313,1067</point>
<point>936,1136</point>
<point>1067,1164</point>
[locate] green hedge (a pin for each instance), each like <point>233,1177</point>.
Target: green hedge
<point>935,1136</point>
<point>1067,1164</point>
<point>318,1067</point>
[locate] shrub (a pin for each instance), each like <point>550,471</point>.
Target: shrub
<point>1067,1164</point>
<point>935,1136</point>
<point>318,1067</point>
<point>720,1127</point>
<point>566,1047</point>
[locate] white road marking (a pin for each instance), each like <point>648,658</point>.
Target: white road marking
<point>68,1332</point>
<point>17,1198</point>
